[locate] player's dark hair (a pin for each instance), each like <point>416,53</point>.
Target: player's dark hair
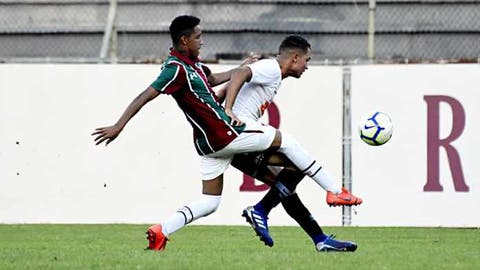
<point>182,26</point>
<point>294,42</point>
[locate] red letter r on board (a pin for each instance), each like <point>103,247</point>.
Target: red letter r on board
<point>434,143</point>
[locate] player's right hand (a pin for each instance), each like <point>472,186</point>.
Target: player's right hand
<point>234,121</point>
<point>107,134</point>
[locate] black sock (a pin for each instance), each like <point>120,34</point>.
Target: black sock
<point>297,210</point>
<point>287,181</point>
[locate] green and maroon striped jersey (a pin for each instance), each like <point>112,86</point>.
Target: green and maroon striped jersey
<point>186,80</point>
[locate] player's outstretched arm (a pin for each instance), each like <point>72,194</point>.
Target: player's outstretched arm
<point>218,78</point>
<point>109,134</point>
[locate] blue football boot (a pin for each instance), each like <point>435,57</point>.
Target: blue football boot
<point>258,221</point>
<point>331,244</point>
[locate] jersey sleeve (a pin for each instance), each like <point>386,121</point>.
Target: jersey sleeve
<point>264,71</point>
<point>171,79</point>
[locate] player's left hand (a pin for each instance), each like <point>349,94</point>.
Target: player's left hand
<point>253,57</point>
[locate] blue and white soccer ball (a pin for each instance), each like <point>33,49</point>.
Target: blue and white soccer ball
<point>376,128</point>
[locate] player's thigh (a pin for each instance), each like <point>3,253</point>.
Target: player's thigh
<point>252,164</point>
<point>263,166</point>
<point>212,167</point>
<point>256,137</point>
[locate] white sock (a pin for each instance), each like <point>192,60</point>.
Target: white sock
<point>300,157</point>
<point>190,212</point>
<point>324,179</point>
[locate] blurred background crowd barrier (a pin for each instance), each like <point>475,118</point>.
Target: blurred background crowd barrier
<point>340,31</point>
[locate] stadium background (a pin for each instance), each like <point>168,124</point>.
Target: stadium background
<point>341,31</point>
<point>362,59</point>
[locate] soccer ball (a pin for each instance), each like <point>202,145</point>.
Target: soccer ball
<point>376,128</point>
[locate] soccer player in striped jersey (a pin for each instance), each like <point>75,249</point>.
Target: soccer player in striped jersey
<point>251,89</point>
<point>217,136</point>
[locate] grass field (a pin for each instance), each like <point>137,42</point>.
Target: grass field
<point>233,247</point>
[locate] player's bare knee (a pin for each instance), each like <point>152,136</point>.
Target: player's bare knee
<point>277,141</point>
<point>278,159</point>
<point>213,186</point>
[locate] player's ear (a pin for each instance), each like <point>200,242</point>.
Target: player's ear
<point>295,57</point>
<point>183,40</point>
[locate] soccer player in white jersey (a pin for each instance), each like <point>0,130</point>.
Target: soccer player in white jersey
<point>249,93</point>
<point>217,136</point>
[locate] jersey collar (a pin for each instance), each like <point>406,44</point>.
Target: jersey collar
<point>184,58</point>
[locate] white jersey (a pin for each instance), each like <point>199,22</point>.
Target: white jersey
<point>255,95</point>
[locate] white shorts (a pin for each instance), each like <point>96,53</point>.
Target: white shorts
<point>255,138</point>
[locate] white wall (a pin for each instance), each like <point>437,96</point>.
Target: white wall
<point>55,173</point>
<point>392,177</point>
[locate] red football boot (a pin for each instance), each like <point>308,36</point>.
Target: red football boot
<point>343,198</point>
<point>156,238</point>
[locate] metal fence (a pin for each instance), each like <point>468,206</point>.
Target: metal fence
<point>339,30</point>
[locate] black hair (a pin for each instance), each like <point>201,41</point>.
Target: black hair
<point>294,42</point>
<point>182,26</point>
